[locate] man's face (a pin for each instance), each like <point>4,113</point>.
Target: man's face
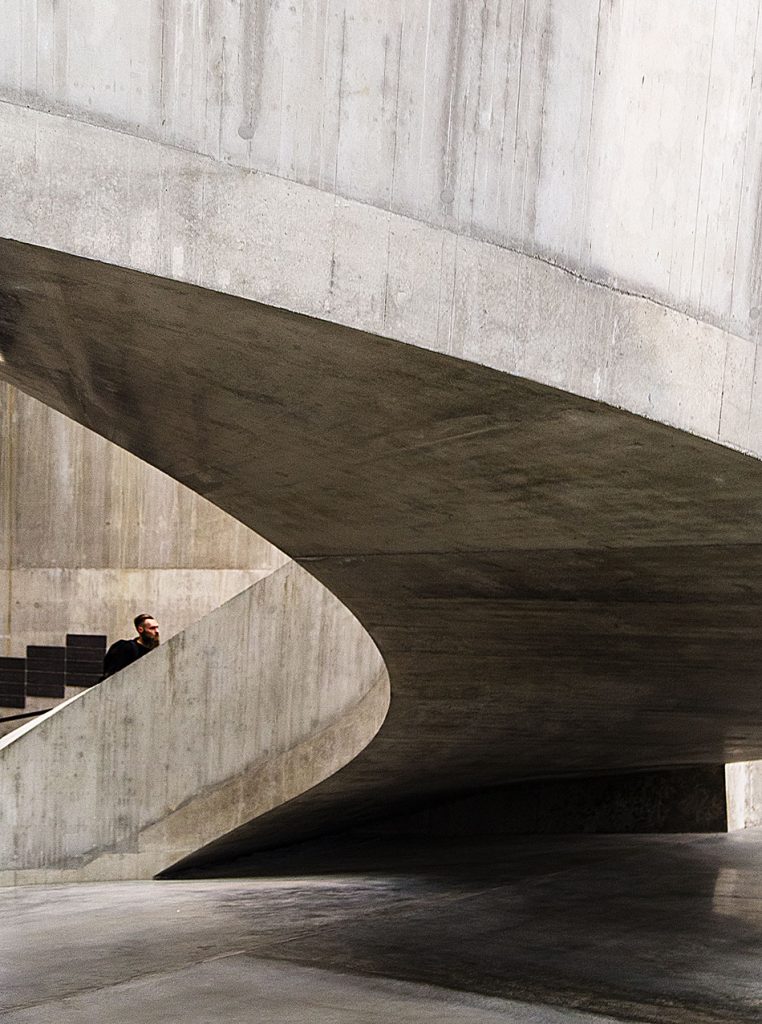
<point>148,631</point>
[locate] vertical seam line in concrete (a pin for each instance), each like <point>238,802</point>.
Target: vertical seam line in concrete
<point>518,115</point>
<point>388,263</point>
<point>341,92</point>
<point>441,285</point>
<point>506,87</point>
<point>722,392</point>
<point>703,147</point>
<point>745,160</point>
<point>477,119</point>
<point>390,205</point>
<point>751,396</point>
<point>162,47</point>
<point>722,170</point>
<point>37,46</point>
<point>422,131</point>
<point>548,27</point>
<point>451,330</point>
<point>9,517</point>
<point>586,198</point>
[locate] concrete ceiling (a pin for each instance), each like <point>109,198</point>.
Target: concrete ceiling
<point>557,586</point>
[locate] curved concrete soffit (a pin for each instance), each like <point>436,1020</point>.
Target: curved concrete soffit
<point>296,247</point>
<point>506,544</point>
<point>243,711</point>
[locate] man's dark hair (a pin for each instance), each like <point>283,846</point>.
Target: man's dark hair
<point>140,619</point>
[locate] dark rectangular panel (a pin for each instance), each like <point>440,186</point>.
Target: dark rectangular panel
<point>80,641</point>
<point>17,664</point>
<point>12,676</point>
<point>78,654</point>
<point>41,690</point>
<point>12,700</point>
<point>48,655</point>
<point>40,683</point>
<point>88,667</point>
<point>40,674</point>
<point>84,679</point>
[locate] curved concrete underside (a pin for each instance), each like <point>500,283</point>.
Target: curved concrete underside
<point>556,586</point>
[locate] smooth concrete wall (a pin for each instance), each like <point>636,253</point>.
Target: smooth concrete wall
<point>621,141</point>
<point>743,786</point>
<point>262,699</point>
<point>90,536</point>
<point>173,213</point>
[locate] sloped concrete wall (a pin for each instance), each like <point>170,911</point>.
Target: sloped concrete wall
<point>262,699</point>
<point>90,536</point>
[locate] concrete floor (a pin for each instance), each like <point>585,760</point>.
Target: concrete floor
<point>542,931</point>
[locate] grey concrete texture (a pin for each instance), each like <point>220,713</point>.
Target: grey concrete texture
<point>262,699</point>
<point>238,990</point>
<point>552,583</point>
<point>567,930</point>
<point>65,486</point>
<point>90,536</point>
<point>43,604</point>
<point>547,139</point>
<point>34,704</point>
<point>621,141</point>
<point>524,559</point>
<point>170,212</point>
<point>743,785</point>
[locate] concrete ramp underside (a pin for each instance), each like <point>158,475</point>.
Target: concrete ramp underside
<point>556,586</point>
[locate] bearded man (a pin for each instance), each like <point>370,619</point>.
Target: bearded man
<point>124,652</point>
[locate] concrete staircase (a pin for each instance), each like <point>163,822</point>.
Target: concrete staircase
<point>48,675</point>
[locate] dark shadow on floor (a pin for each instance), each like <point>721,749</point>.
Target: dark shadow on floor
<point>665,929</point>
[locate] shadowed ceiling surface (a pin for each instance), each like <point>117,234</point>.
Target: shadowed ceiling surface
<point>556,586</point>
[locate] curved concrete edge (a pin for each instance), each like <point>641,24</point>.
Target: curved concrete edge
<point>263,699</point>
<point>591,132</point>
<point>115,198</point>
<point>92,534</point>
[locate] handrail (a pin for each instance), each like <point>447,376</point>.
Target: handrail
<point>27,714</point>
